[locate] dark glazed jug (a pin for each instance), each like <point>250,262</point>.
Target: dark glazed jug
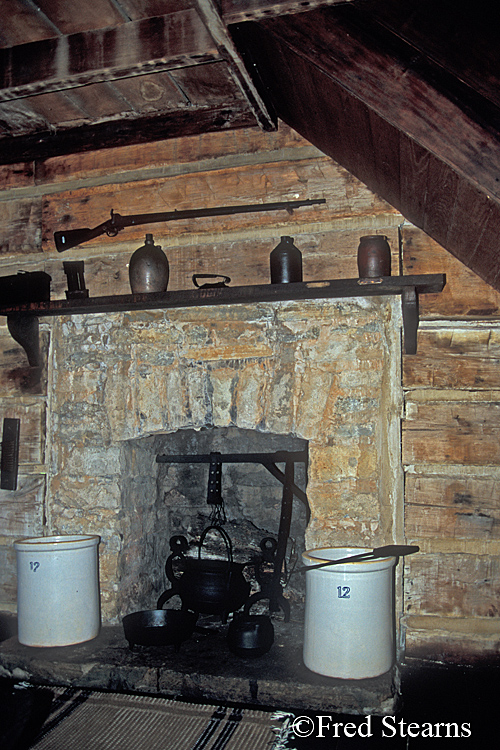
<point>286,262</point>
<point>148,268</point>
<point>374,257</point>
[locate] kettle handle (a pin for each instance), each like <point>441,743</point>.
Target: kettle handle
<point>227,541</point>
<point>169,570</point>
<point>178,545</point>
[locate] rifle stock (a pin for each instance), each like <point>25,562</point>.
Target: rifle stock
<point>73,237</point>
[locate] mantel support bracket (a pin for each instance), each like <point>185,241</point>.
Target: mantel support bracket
<point>409,299</point>
<point>25,330</point>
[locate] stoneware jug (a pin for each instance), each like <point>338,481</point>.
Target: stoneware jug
<point>148,268</point>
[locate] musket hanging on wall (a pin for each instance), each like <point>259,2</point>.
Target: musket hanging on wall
<point>65,240</point>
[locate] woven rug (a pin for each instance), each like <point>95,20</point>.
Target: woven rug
<point>84,719</point>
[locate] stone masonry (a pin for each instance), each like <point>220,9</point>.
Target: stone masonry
<point>323,370</point>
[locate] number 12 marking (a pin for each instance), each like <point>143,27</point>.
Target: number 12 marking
<point>343,592</point>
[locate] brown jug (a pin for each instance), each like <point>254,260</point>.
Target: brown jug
<point>374,257</point>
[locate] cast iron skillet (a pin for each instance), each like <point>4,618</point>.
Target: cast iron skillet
<point>159,627</point>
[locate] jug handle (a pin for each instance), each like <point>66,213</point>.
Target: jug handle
<point>227,541</point>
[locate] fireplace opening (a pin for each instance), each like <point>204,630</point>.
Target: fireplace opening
<point>168,492</point>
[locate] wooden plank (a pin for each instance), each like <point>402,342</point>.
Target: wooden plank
<point>8,578</point>
<point>452,433</point>
<point>386,153</point>
<point>54,108</point>
<point>485,258</point>
<point>465,294</point>
<point>236,11</point>
<point>210,13</point>
<point>227,295</point>
<point>21,511</point>
<point>16,377</point>
<point>455,359</point>
<point>246,261</point>
<point>99,100</point>
<point>311,179</point>
<point>20,226</point>
<point>470,493</point>
<point>140,129</point>
<point>71,16</point>
<point>206,85</point>
<point>440,197</point>
<point>32,430</point>
<point>453,585</point>
<point>437,522</point>
<point>136,9</point>
<point>146,93</point>
<point>22,23</point>
<point>195,149</point>
<point>469,52</point>
<point>17,175</point>
<point>466,222</point>
<point>414,168</point>
<point>105,54</point>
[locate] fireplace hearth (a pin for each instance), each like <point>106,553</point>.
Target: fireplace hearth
<point>203,669</point>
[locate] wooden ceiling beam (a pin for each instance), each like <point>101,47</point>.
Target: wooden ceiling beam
<point>131,49</point>
<point>237,11</point>
<point>141,129</point>
<point>212,18</point>
<point>376,114</point>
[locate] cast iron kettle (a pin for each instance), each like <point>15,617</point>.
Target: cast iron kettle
<point>213,587</point>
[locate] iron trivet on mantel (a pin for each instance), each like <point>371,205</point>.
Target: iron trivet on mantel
<point>273,552</point>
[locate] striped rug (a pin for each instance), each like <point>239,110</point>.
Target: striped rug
<point>92,720</point>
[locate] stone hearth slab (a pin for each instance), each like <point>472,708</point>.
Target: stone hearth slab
<point>202,670</point>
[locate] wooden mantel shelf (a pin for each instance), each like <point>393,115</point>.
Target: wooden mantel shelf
<point>22,319</point>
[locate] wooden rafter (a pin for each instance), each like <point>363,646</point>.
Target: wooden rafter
<point>218,30</point>
<point>136,48</point>
<point>377,114</point>
<point>237,11</point>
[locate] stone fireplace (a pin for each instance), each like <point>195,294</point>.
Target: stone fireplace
<point>321,376</point>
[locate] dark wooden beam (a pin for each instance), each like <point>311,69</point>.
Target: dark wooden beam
<point>460,38</point>
<point>369,106</point>
<point>134,48</point>
<point>141,129</point>
<point>236,11</point>
<point>210,13</point>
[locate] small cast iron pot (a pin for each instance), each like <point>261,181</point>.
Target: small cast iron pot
<point>250,635</point>
<point>159,627</point>
<point>213,587</point>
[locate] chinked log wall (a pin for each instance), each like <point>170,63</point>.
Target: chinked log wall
<point>450,441</point>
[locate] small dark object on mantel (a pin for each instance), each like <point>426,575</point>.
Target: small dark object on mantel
<point>74,270</point>
<point>225,280</point>
<point>25,287</point>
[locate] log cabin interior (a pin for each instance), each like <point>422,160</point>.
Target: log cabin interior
<point>381,117</point>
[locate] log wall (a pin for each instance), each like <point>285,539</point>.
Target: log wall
<point>450,453</point>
